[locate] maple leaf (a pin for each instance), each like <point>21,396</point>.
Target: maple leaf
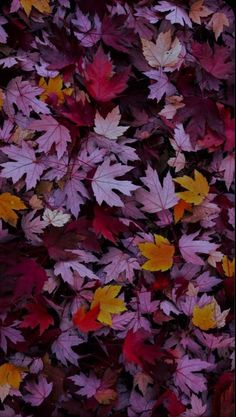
<point>8,205</point>
<point>158,197</point>
<point>80,112</point>
<point>180,208</point>
<point>23,94</point>
<point>137,351</point>
<point>116,34</point>
<point>55,134</point>
<point>37,316</point>
<point>171,403</point>
<point>162,85</point>
<point>109,127</point>
<point>54,88</point>
<point>176,14</point>
<point>38,391</point>
<point>2,96</point>
<point>25,163</point>
<point>10,375</point>
<point>31,278</point>
<point>160,254</point>
<point>106,224</point>
<point>62,347</point>
<point>86,321</point>
<point>228,266</point>
<point>41,5</point>
<point>203,317</point>
<point>104,182</point>
<point>88,32</point>
<point>216,62</point>
<point>164,53</point>
<point>32,227</point>
<point>190,247</point>
<point>217,22</point>
<point>198,11</point>
<point>55,217</point>
<point>101,82</point>
<point>3,33</point>
<point>199,112</point>
<point>228,166</point>
<point>89,384</point>
<point>198,188</point>
<point>119,264</point>
<point>198,408</point>
<point>10,333</point>
<point>185,377</point>
<point>105,297</point>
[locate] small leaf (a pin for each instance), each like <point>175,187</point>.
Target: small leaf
<point>109,127</point>
<point>41,5</point>
<point>9,203</point>
<point>106,298</point>
<point>160,254</point>
<point>198,188</point>
<point>164,53</point>
<point>228,266</point>
<point>10,375</point>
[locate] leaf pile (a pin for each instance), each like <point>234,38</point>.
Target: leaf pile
<point>116,208</point>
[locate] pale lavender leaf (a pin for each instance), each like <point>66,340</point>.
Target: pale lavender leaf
<point>24,163</point>
<point>190,247</point>
<point>89,385</point>
<point>161,87</point>
<point>55,134</point>
<point>104,183</point>
<point>39,391</point>
<point>158,197</point>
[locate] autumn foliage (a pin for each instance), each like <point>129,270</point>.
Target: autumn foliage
<point>116,208</point>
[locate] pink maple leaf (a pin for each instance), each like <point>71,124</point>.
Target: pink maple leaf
<point>104,183</point>
<point>24,96</point>
<point>185,377</point>
<point>38,391</point>
<point>24,163</point>
<point>190,247</point>
<point>158,197</point>
<point>55,134</point>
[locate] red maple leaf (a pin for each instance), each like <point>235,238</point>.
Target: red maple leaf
<point>135,348</point>
<point>169,400</point>
<point>37,316</point>
<point>101,82</point>
<point>81,113</point>
<point>31,278</point>
<point>86,321</point>
<point>106,224</point>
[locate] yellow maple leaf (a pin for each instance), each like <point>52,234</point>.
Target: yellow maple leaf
<point>164,53</point>
<point>198,10</point>
<point>1,99</point>
<point>204,317</point>
<point>41,5</point>
<point>210,316</point>
<point>198,188</point>
<point>9,203</point>
<point>106,298</point>
<point>10,375</point>
<point>228,266</point>
<point>54,86</point>
<point>217,22</point>
<point>160,254</point>
<point>180,208</point>
<point>105,396</point>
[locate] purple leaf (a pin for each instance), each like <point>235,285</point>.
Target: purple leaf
<point>39,391</point>
<point>158,197</point>
<point>25,162</point>
<point>55,134</point>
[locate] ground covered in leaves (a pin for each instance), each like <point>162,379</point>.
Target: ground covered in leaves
<point>116,208</point>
